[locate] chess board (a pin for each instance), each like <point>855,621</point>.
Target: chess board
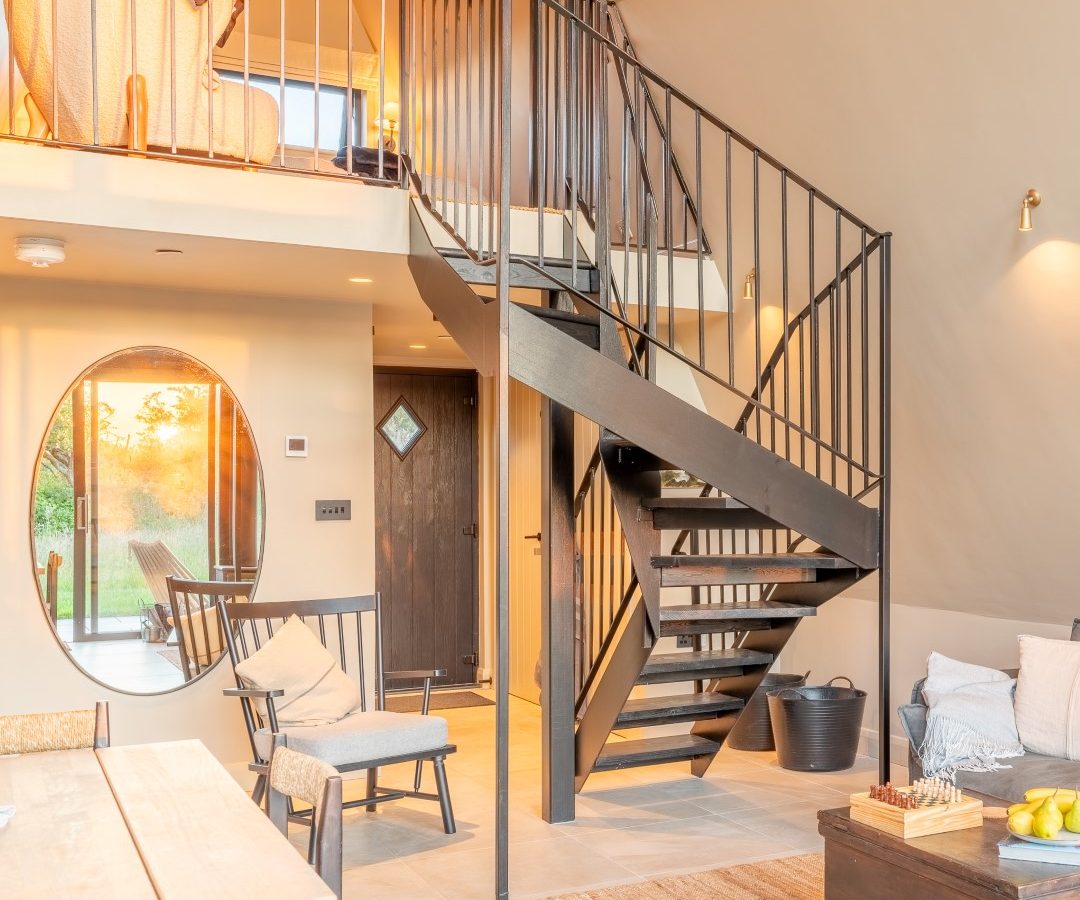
<point>934,815</point>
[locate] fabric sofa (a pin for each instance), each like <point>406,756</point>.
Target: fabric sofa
<point>1007,784</point>
<point>174,66</point>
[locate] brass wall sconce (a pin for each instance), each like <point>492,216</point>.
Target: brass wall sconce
<point>1031,199</point>
<point>749,284</point>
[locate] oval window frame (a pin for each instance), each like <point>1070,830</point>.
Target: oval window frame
<point>81,376</point>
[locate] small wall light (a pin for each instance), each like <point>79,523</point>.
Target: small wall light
<point>748,285</point>
<point>1031,199</point>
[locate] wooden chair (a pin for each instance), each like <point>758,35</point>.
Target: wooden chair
<point>196,621</point>
<point>346,744</point>
<point>300,776</point>
<point>75,729</point>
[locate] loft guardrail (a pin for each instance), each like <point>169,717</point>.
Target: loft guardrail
<point>263,84</point>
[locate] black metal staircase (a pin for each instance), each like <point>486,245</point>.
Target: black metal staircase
<point>792,443</point>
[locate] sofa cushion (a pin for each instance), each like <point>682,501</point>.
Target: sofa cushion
<point>317,691</point>
<point>1048,696</point>
<point>362,736</point>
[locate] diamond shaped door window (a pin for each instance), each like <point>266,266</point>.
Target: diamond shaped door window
<point>402,428</point>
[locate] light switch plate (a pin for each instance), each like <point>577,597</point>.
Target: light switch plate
<point>333,510</point>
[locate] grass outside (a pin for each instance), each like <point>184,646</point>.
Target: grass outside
<point>121,585</point>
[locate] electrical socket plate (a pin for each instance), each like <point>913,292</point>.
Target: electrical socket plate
<point>684,640</point>
<point>333,510</point>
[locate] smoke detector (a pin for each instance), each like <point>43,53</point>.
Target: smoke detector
<point>40,252</point>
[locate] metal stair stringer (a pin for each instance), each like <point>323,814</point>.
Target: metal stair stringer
<point>632,646</point>
<point>652,418</point>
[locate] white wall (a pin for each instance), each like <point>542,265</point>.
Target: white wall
<point>297,367</point>
<point>932,119</point>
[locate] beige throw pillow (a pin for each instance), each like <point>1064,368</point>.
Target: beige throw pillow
<point>317,691</point>
<point>1047,699</point>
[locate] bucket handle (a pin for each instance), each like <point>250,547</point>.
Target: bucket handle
<point>851,683</point>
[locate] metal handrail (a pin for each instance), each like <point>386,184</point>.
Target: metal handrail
<point>708,116</point>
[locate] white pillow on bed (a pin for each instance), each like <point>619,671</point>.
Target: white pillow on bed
<point>1048,696</point>
<point>317,691</point>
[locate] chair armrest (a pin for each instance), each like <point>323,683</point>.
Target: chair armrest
<point>414,673</point>
<point>253,693</point>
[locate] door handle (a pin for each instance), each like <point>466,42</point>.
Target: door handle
<point>533,537</point>
<point>80,513</point>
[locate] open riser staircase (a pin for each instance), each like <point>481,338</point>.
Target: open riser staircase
<point>618,317</point>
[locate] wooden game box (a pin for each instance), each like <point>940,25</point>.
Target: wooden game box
<point>912,823</point>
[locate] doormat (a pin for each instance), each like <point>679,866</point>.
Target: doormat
<point>439,700</point>
<point>789,878</point>
<point>171,654</point>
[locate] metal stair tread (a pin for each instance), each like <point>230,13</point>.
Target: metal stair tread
<point>698,660</point>
<point>624,754</point>
<point>692,503</point>
<point>750,609</point>
<point>643,709</point>
<point>756,561</point>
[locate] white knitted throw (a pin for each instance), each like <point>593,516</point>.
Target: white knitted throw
<point>970,724</point>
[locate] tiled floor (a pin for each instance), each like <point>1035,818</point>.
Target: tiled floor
<point>631,825</point>
<point>131,665</point>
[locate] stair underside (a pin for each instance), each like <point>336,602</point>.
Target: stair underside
<point>678,513</point>
<point>649,751</point>
<point>644,711</point>
<point>718,618</point>
<point>699,664</point>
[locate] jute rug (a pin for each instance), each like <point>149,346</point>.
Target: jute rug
<point>439,700</point>
<point>790,878</point>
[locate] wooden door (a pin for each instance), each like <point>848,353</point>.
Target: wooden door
<point>426,520</point>
<point>525,558</point>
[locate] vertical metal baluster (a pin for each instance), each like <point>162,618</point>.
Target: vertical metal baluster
<point>425,127</point>
<point>172,75</point>
<point>318,84</point>
<point>496,101</point>
<point>55,83</point>
<point>573,92</point>
<point>447,166</point>
<point>382,87</point>
<point>93,70</point>
<point>850,428</point>
<point>728,240</point>
<point>802,395</point>
<point>281,85</point>
<point>133,94</point>
<point>468,120</point>
<point>834,352</point>
<point>669,227</point>
<point>350,124</point>
<point>558,163</point>
<point>815,383</point>
<point>456,168</point>
<point>247,88</point>
<point>210,78</point>
<point>436,120</point>
<point>600,545</point>
<point>698,195</point>
<point>757,294</point>
<point>482,122</point>
<point>864,327</point>
<point>787,310</point>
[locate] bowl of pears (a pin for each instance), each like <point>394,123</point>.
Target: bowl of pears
<point>1047,816</point>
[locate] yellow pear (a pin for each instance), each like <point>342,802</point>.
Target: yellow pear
<point>1021,822</point>
<point>1048,820</point>
<point>1072,819</point>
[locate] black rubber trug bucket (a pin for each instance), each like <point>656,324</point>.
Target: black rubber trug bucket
<point>753,729</point>
<point>816,729</point>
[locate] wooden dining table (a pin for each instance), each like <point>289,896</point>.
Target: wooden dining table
<point>144,821</point>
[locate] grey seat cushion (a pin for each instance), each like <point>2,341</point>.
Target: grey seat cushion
<point>362,736</point>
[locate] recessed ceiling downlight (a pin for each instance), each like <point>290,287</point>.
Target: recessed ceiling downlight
<point>40,252</point>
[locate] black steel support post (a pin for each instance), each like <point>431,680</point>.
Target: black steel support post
<point>557,611</point>
<point>884,577</point>
<point>502,543</point>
